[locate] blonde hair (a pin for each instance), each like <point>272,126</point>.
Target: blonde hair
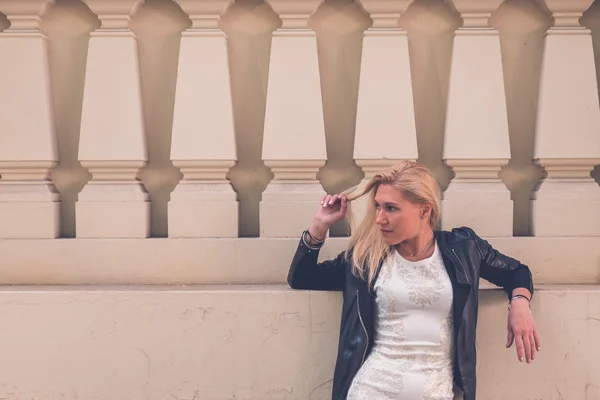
<point>366,245</point>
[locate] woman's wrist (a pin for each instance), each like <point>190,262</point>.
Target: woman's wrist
<point>318,231</point>
<point>519,300</point>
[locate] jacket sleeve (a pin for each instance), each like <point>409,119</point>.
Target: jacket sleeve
<point>307,273</point>
<point>500,269</point>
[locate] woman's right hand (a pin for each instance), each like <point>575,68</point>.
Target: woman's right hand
<point>332,210</point>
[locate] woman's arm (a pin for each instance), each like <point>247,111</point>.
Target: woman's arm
<point>515,277</point>
<point>501,270</point>
<point>306,272</point>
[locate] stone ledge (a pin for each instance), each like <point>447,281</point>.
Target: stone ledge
<point>556,260</point>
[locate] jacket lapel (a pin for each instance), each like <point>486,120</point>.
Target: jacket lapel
<point>461,281</point>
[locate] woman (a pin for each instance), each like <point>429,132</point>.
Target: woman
<point>410,292</point>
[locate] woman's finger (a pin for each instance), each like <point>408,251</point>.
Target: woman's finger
<point>527,345</point>
<point>536,336</point>
<point>520,347</point>
<point>326,200</point>
<point>344,205</point>
<point>510,338</point>
<point>532,341</point>
<point>333,199</point>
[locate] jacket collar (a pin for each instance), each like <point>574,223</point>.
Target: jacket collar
<point>456,268</point>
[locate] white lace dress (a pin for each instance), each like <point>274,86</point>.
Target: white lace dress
<point>413,349</point>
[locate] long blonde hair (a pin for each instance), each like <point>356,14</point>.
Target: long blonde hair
<point>366,245</point>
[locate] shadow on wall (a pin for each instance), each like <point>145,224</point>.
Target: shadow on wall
<point>158,25</point>
<point>4,23</point>
<point>68,24</point>
<point>591,19</point>
<point>430,25</point>
<point>249,27</point>
<point>522,26</point>
<point>339,25</point>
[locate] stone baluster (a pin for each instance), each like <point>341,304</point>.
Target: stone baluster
<point>567,203</point>
<point>476,140</point>
<point>294,138</point>
<point>385,112</point>
<point>113,145</point>
<point>204,203</point>
<point>29,202</point>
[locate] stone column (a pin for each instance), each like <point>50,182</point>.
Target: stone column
<point>204,203</point>
<point>29,202</point>
<point>114,204</point>
<point>386,112</point>
<point>567,203</point>
<point>476,140</point>
<point>294,139</point>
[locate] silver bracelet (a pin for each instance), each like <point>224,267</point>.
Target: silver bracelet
<point>519,296</point>
<point>310,245</point>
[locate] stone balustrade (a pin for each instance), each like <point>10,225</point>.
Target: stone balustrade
<point>296,146</point>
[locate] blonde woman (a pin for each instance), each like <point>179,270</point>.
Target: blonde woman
<point>410,292</point>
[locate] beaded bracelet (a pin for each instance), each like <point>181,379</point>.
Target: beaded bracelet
<point>314,239</point>
<point>310,245</point>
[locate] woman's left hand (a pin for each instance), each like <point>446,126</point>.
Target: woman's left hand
<point>522,331</point>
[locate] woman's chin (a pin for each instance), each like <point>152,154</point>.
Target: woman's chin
<point>388,240</point>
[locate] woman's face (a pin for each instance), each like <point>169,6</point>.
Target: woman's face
<point>397,218</point>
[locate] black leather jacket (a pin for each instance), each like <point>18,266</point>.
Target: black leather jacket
<point>466,256</point>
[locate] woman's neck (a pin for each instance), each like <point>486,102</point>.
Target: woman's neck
<point>418,247</point>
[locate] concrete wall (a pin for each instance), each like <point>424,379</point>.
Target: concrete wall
<point>254,342</point>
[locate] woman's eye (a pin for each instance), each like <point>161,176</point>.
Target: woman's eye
<point>391,208</point>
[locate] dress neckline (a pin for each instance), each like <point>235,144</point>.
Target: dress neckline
<point>430,258</point>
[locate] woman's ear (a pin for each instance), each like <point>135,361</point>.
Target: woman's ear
<point>425,210</point>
